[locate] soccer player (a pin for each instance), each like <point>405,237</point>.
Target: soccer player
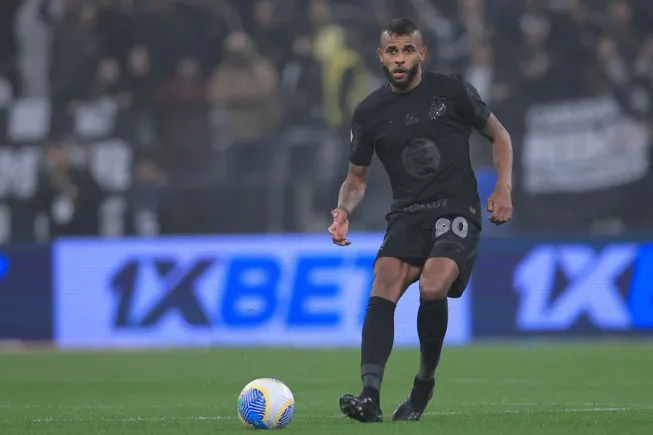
<point>419,126</point>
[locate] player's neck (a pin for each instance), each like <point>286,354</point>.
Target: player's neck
<point>416,81</point>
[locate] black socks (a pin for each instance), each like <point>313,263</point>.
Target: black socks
<point>378,339</point>
<point>432,319</point>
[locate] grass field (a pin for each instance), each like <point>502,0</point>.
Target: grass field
<point>561,389</point>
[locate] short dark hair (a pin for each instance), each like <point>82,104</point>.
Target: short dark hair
<point>401,27</point>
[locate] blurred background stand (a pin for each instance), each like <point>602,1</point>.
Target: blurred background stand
<point>232,116</point>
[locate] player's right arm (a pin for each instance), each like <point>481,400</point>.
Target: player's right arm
<point>352,190</point>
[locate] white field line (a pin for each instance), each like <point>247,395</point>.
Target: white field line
<point>542,411</point>
<point>503,403</point>
<point>574,410</point>
<point>538,382</point>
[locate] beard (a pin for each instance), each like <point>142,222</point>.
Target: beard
<point>403,84</point>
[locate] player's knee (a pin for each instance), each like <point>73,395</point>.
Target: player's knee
<point>433,289</point>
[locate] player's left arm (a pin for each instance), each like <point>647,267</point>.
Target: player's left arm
<point>500,202</point>
<point>482,118</point>
<point>496,133</point>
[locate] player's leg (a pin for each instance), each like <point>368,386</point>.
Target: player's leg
<point>392,277</point>
<point>446,274</point>
<point>432,321</point>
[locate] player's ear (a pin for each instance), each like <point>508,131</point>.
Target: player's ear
<point>380,53</point>
<point>422,54</point>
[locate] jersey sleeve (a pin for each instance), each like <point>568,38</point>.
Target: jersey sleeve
<point>361,147</point>
<point>474,109</point>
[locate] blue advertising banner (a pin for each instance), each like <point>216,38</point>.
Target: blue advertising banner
<point>303,291</point>
<point>25,293</point>
<point>571,289</point>
<point>240,291</point>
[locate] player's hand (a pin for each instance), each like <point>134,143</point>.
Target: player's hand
<point>340,227</point>
<point>500,205</point>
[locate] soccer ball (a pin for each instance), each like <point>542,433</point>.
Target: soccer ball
<point>266,404</point>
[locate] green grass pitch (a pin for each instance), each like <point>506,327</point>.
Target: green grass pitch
<point>545,389</point>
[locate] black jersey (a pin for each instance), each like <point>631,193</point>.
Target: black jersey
<point>422,139</point>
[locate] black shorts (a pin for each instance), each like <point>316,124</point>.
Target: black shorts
<point>414,238</point>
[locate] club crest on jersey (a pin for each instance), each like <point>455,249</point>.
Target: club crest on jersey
<point>436,107</point>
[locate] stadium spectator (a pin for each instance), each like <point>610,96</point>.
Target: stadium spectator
<point>269,33</point>
<point>136,125</point>
<point>183,123</point>
<point>67,197</point>
<point>301,80</point>
<point>246,84</point>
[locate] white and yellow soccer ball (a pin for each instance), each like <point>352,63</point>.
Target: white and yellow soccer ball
<point>266,404</point>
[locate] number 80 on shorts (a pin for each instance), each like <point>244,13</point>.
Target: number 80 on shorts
<point>459,226</point>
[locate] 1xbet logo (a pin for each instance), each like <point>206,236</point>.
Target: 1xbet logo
<point>179,292</point>
<point>593,287</point>
<point>241,292</point>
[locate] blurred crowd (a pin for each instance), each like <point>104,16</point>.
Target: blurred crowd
<point>237,111</point>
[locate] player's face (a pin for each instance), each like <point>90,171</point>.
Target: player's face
<point>401,57</point>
